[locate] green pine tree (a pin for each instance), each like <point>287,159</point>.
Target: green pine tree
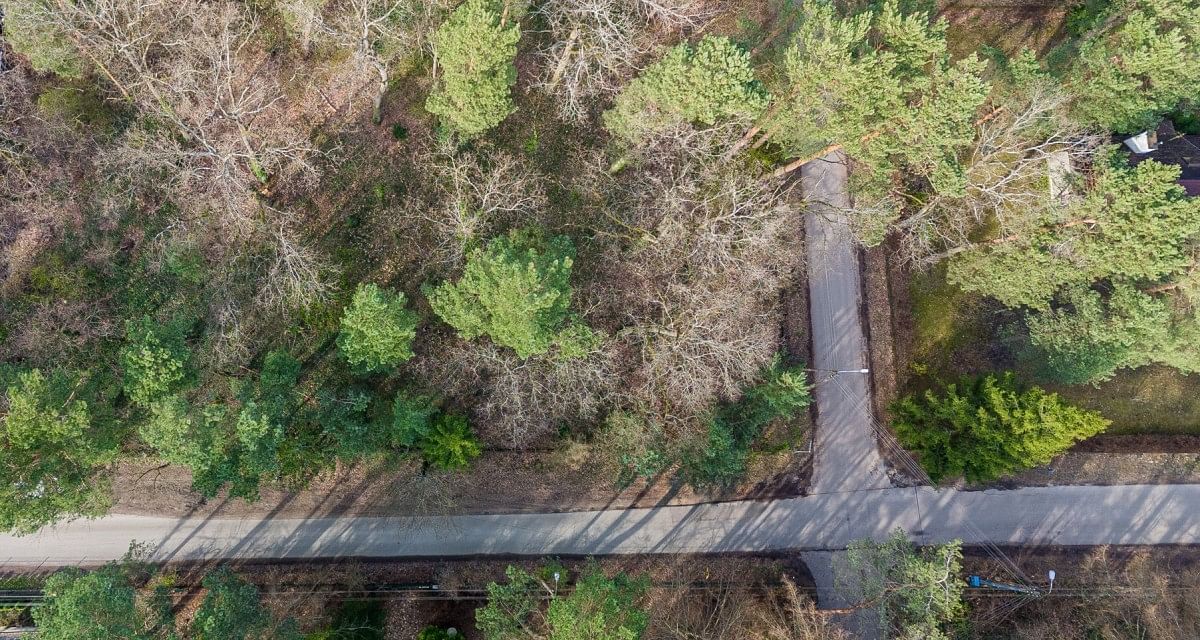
<point>377,329</point>
<point>987,427</point>
<point>516,291</point>
<point>475,53</point>
<point>1127,77</point>
<point>703,84</point>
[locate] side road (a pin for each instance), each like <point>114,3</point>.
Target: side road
<point>1085,515</point>
<point>847,458</point>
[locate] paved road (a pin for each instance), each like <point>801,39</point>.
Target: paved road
<point>846,455</point>
<point>1136,514</point>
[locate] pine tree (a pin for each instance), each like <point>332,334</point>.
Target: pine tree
<point>1128,76</point>
<point>1135,224</point>
<point>918,592</point>
<point>882,85</point>
<point>1090,335</point>
<point>703,84</point>
<point>475,53</point>
<point>597,607</point>
<point>517,291</point>
<point>987,427</point>
<point>377,329</point>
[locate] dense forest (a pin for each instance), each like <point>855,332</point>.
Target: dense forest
<point>262,239</point>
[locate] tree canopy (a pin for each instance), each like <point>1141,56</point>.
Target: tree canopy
<point>232,609</point>
<point>702,84</point>
<point>918,590</point>
<point>516,291</point>
<point>1135,224</point>
<point>99,605</point>
<point>990,426</point>
<point>377,329</point>
<point>880,83</point>
<point>125,600</point>
<point>1108,279</point>
<point>55,449</point>
<point>594,606</point>
<point>1137,65</point>
<point>475,51</point>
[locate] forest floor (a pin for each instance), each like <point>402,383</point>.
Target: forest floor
<point>302,589</point>
<point>1008,25</point>
<point>498,482</point>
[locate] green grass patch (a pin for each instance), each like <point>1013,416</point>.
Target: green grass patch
<point>958,333</point>
<point>1152,399</point>
<point>949,325</point>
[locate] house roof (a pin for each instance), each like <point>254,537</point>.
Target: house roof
<point>1178,149</point>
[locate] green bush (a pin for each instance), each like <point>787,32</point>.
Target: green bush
<point>28,26</point>
<point>377,329</point>
<point>436,633</point>
<point>450,444</point>
<point>79,106</point>
<point>704,84</point>
<point>987,427</point>
<point>517,291</point>
<point>719,460</point>
<point>475,56</point>
<point>635,446</point>
<point>154,360</point>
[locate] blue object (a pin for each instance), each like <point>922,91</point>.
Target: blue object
<point>978,582</point>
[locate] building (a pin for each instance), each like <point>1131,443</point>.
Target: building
<point>1169,146</point>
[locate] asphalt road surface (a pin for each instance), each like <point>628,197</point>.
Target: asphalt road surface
<point>1085,515</point>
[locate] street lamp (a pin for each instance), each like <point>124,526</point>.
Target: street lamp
<point>837,371</point>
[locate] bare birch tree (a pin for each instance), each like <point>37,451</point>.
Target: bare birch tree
<point>477,196</point>
<point>380,33</point>
<point>191,66</point>
<point>520,401</point>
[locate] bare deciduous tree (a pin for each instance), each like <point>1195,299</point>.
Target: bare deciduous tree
<point>597,44</point>
<point>1006,177</point>
<point>478,196</point>
<point>712,244</point>
<point>735,611</point>
<point>192,67</point>
<point>298,277</point>
<point>379,33</point>
<point>520,401</point>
